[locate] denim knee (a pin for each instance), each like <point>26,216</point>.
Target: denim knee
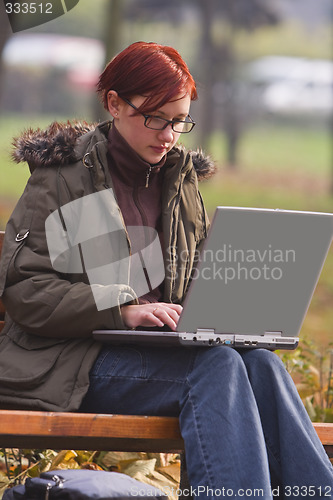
<point>269,377</point>
<point>218,358</point>
<point>267,360</point>
<point>216,365</point>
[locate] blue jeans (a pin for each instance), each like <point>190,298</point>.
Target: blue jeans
<point>245,429</point>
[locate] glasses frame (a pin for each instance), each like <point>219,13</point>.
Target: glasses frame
<point>167,122</point>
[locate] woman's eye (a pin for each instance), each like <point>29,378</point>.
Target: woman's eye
<point>154,121</point>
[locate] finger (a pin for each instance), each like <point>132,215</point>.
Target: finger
<point>169,313</point>
<point>173,314</point>
<point>154,318</point>
<point>175,307</point>
<point>164,316</point>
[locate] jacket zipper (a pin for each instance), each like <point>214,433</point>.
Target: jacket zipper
<point>175,224</point>
<point>148,172</point>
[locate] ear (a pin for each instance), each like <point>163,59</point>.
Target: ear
<point>113,103</point>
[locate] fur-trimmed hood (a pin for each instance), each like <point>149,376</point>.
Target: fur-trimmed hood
<point>56,145</point>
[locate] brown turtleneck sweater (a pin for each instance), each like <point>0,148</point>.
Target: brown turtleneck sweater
<point>138,190</point>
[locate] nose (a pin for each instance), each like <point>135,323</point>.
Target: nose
<point>166,135</point>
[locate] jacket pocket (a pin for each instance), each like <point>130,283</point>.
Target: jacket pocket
<point>25,360</point>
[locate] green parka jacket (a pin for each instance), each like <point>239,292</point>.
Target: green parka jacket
<point>46,347</point>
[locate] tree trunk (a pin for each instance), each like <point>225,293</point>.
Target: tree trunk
<point>112,42</point>
<point>206,52</point>
<point>5,31</point>
<point>217,62</point>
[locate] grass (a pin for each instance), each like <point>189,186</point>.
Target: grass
<point>281,148</point>
<point>284,167</point>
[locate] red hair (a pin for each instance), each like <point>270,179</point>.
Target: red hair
<point>148,69</point>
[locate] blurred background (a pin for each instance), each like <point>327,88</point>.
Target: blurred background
<point>265,111</point>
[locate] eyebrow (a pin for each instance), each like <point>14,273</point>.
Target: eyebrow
<point>180,117</point>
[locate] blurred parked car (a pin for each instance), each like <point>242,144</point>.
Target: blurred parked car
<point>293,86</point>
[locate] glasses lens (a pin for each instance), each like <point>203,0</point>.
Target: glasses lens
<point>155,123</point>
<point>182,127</point>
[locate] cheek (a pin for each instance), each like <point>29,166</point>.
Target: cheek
<point>132,133</point>
<point>137,139</point>
<point>175,139</point>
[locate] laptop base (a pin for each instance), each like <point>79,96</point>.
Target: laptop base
<point>203,339</point>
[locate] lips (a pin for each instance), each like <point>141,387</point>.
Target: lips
<point>159,149</point>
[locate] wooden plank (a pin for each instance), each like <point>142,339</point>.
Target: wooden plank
<point>40,423</point>
<point>325,432</point>
<point>30,429</point>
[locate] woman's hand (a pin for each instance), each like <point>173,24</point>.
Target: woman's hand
<point>155,314</point>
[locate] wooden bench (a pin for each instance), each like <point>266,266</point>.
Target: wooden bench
<point>39,429</point>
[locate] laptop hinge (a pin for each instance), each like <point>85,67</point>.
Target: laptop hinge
<point>207,331</point>
<point>277,334</point>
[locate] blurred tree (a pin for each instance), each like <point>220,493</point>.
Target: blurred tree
<point>5,31</point>
<point>111,36</point>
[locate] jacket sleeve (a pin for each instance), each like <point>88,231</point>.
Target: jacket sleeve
<point>39,299</point>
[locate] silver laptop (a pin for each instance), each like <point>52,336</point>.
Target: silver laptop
<point>254,282</point>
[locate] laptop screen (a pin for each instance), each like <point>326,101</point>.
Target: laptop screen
<point>257,272</point>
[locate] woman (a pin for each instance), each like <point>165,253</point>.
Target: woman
<point>245,429</point>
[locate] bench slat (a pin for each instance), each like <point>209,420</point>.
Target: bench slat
<point>95,425</point>
<point>30,429</point>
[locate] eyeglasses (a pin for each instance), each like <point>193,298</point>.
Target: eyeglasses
<point>157,123</point>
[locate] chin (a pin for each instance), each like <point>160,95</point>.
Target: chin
<point>152,159</point>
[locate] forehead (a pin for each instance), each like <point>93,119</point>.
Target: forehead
<point>180,105</point>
